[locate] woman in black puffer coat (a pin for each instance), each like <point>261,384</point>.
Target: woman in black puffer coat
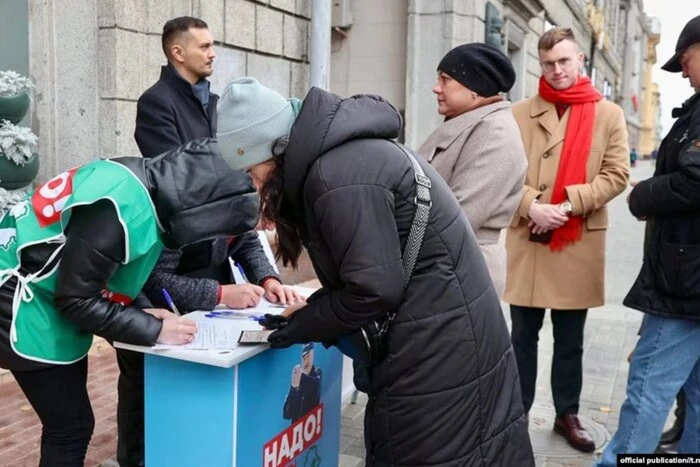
<point>447,393</point>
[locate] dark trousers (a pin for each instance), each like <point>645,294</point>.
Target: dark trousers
<point>59,397</point>
<point>130,409</point>
<point>567,368</point>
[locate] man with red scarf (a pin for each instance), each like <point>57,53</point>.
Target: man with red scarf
<point>578,157</point>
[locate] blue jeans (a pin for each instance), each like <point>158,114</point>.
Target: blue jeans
<point>667,357</point>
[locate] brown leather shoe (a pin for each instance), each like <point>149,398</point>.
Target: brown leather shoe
<point>569,426</point>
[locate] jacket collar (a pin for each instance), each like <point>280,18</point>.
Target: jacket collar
<point>169,73</point>
<point>687,105</point>
<point>546,115</point>
<point>449,130</point>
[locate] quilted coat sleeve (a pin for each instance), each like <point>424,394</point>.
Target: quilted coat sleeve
<point>358,225</point>
<point>93,252</point>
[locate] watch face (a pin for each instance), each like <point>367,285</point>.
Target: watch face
<point>567,207</point>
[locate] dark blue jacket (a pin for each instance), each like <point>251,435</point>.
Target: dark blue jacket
<point>169,115</point>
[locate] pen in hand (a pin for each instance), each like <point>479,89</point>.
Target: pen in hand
<point>240,269</point>
<point>170,303</point>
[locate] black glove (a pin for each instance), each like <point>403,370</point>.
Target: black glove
<point>286,335</point>
<point>273,321</point>
<point>280,339</point>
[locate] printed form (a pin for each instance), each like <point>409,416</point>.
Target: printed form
<point>211,334</point>
<point>223,331</point>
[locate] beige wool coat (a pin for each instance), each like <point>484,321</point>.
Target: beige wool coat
<point>480,155</point>
<point>574,277</point>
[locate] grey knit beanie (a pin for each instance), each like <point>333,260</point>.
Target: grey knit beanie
<point>251,118</point>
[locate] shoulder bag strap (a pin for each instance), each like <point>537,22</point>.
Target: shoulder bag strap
<point>420,222</point>
<point>420,218</point>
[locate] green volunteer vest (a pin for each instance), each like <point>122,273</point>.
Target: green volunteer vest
<point>38,331</point>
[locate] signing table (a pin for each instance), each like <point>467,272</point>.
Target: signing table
<point>244,406</point>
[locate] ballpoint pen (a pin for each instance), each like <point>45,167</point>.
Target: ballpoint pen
<point>230,314</point>
<point>240,269</point>
<point>170,303</point>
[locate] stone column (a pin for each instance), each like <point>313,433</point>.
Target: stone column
<point>63,63</point>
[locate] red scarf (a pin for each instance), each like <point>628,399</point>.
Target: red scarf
<point>581,97</point>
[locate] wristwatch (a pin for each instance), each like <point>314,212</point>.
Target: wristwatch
<point>566,207</point>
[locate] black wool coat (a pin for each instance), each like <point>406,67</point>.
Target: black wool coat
<point>669,282</point>
<point>169,115</point>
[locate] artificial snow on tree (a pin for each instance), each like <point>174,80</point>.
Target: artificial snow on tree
<point>9,198</point>
<point>19,162</point>
<point>15,96</point>
<point>17,143</point>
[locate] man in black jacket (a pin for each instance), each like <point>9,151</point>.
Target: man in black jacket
<point>179,107</point>
<point>667,290</point>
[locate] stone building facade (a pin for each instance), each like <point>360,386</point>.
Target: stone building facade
<point>651,98</point>
<point>393,47</point>
<point>91,60</point>
<point>632,75</point>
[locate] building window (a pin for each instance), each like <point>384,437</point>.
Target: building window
<point>607,90</point>
<point>14,29</point>
<point>515,54</point>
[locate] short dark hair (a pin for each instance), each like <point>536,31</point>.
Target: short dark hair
<point>554,36</point>
<point>176,26</point>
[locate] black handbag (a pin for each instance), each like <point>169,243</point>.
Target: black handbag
<point>369,345</point>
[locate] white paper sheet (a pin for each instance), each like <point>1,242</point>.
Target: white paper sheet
<point>221,332</point>
<point>211,334</point>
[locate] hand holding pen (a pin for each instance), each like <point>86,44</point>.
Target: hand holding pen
<point>242,294</point>
<point>273,289</point>
<point>175,330</point>
<point>239,296</point>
